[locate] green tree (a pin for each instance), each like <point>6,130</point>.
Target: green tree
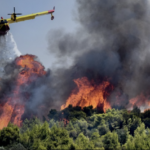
<point>147,122</point>
<point>38,145</point>
<point>44,131</point>
<point>29,124</point>
<point>24,139</point>
<point>58,139</point>
<point>53,114</point>
<point>123,135</point>
<point>133,124</point>
<point>136,111</point>
<point>88,110</point>
<point>52,123</point>
<point>103,128</point>
<point>83,142</point>
<point>9,135</point>
<point>81,126</point>
<point>69,126</point>
<point>140,139</point>
<point>110,141</point>
<point>96,140</point>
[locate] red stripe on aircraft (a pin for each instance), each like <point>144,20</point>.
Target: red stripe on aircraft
<point>50,11</point>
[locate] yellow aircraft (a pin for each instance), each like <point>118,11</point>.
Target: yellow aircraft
<point>4,23</point>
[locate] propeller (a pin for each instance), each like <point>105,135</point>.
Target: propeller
<point>15,13</point>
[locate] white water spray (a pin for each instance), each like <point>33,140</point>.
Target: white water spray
<point>8,50</point>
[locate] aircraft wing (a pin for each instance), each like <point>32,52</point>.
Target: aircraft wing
<point>28,17</point>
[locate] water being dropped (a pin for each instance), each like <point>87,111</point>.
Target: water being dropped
<point>8,50</point>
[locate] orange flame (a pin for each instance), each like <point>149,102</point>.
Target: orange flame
<point>13,109</point>
<point>6,117</point>
<point>140,101</point>
<point>87,94</point>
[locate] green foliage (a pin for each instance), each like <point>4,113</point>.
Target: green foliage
<point>24,139</point>
<point>88,110</point>
<point>103,128</point>
<point>110,141</point>
<point>136,111</point>
<point>53,114</point>
<point>9,135</point>
<point>58,139</point>
<point>52,122</point>
<point>70,113</point>
<point>115,129</point>
<point>29,124</point>
<point>123,135</point>
<point>146,114</point>
<point>96,140</point>
<point>83,142</point>
<point>140,139</point>
<point>147,122</point>
<point>133,124</point>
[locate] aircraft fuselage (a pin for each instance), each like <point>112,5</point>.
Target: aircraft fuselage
<point>4,27</point>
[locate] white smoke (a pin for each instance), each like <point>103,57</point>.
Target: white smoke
<point>8,50</point>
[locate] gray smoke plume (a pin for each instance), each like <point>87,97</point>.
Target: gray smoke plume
<point>112,43</point>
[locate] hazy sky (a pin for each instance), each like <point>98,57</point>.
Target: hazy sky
<point>31,35</point>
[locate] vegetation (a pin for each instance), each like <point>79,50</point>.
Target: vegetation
<point>76,128</point>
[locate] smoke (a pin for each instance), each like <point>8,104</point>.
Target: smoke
<point>8,71</point>
<point>112,42</point>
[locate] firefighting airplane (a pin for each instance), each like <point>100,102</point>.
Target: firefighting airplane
<point>4,23</point>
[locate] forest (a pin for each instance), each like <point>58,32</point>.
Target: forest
<point>76,128</point>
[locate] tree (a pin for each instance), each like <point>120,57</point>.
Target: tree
<point>136,111</point>
<point>53,114</point>
<point>146,114</point>
<point>133,124</point>
<point>58,139</point>
<point>97,141</point>
<point>69,126</point>
<point>52,123</point>
<point>83,142</point>
<point>147,122</point>
<point>44,131</point>
<point>103,127</point>
<point>81,126</point>
<point>140,139</point>
<point>123,135</point>
<point>29,124</point>
<point>38,145</point>
<point>88,110</point>
<point>24,139</point>
<point>9,135</point>
<point>110,141</point>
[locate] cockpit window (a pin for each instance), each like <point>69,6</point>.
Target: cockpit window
<point>1,22</point>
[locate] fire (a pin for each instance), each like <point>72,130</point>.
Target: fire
<point>140,101</point>
<point>87,94</point>
<point>14,107</point>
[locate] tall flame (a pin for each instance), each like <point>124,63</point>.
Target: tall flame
<point>14,108</point>
<point>87,94</point>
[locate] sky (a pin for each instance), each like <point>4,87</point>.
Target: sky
<point>31,35</point>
